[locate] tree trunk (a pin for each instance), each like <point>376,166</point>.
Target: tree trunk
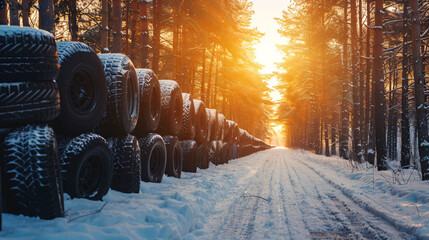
<point>73,20</point>
<point>356,85</point>
<point>13,12</point>
<point>366,138</point>
<point>405,123</point>
<point>134,30</point>
<point>46,15</point>
<point>25,13</point>
<point>144,11</point>
<point>157,8</point>
<point>209,78</point>
<point>344,135</point>
<point>203,77</point>
<point>117,26</point>
<point>104,26</point>
<point>422,128</point>
<point>378,76</point>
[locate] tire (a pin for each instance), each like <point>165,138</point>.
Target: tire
<point>28,102</point>
<point>219,154</point>
<point>227,152</point>
<point>189,149</point>
<point>27,55</point>
<point>122,110</point>
<point>229,126</point>
<point>203,155</point>
<point>212,124</point>
<point>31,174</point>
<point>187,132</point>
<point>83,89</point>
<point>220,127</point>
<point>171,108</point>
<point>200,122</point>
<point>87,164</point>
<point>150,103</point>
<point>153,157</point>
<point>174,156</point>
<point>213,153</point>
<point>234,151</point>
<point>126,164</point>
<point>28,67</point>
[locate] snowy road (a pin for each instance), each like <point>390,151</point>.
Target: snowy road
<point>275,194</point>
<point>287,199</point>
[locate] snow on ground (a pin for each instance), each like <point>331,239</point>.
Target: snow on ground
<point>275,194</point>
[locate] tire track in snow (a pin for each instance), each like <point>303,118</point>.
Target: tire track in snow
<point>360,222</point>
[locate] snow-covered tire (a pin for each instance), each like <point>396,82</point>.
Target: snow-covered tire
<point>227,152</point>
<point>229,127</point>
<point>213,152</point>
<point>174,156</point>
<point>150,102</point>
<point>171,108</point>
<point>220,155</point>
<point>83,89</point>
<point>87,165</point>
<point>126,164</point>
<point>187,132</point>
<point>153,157</point>
<point>28,68</point>
<point>220,126</point>
<point>212,124</point>
<point>31,173</point>
<point>27,55</point>
<point>189,149</point>
<point>203,155</point>
<point>122,110</point>
<point>200,122</point>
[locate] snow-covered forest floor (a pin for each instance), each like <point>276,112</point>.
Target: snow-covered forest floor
<point>274,194</point>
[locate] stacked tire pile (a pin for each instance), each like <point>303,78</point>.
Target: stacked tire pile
<point>77,122</point>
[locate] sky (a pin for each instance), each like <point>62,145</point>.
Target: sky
<point>266,50</point>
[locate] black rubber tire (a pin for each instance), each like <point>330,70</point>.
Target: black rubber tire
<point>219,154</point>
<point>200,122</point>
<point>174,156</point>
<point>28,67</point>
<point>122,110</point>
<point>126,164</point>
<point>83,89</point>
<point>229,125</point>
<point>227,152</point>
<point>27,55</point>
<point>220,126</point>
<point>203,155</point>
<point>87,154</point>
<point>153,157</point>
<point>31,173</point>
<point>212,124</point>
<point>28,102</point>
<point>187,132</point>
<point>150,103</point>
<point>189,149</point>
<point>171,108</point>
<point>213,153</point>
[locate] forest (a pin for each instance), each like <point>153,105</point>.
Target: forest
<point>354,80</point>
<point>206,46</point>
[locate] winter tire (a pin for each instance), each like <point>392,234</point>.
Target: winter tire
<point>83,89</point>
<point>174,156</point>
<point>27,55</point>
<point>229,125</point>
<point>200,122</point>
<point>122,110</point>
<point>213,153</point>
<point>171,108</point>
<point>28,68</point>
<point>212,124</point>
<point>126,164</point>
<point>189,149</point>
<point>87,164</point>
<point>203,155</point>
<point>153,157</point>
<point>150,102</point>
<point>31,176</point>
<point>187,132</point>
<point>220,126</point>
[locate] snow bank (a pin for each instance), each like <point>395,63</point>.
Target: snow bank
<point>399,198</point>
<point>174,209</point>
